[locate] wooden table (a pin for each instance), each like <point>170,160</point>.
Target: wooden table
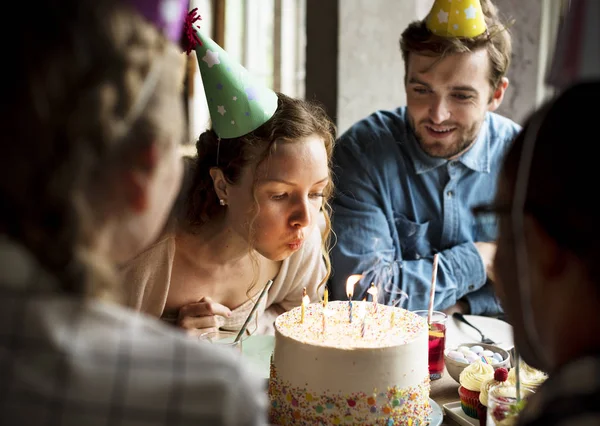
<point>443,391</point>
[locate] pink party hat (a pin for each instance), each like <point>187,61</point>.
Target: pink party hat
<point>167,15</point>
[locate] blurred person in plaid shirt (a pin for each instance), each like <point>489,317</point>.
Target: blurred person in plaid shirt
<point>91,118</point>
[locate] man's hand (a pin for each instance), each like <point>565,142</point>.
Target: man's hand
<point>487,251</point>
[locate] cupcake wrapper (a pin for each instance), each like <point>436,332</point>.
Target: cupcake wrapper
<point>482,414</point>
<point>469,400</point>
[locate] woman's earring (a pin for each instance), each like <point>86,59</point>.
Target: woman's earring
<point>222,202</point>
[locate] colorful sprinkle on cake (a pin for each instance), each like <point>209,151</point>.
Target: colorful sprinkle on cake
<point>324,371</point>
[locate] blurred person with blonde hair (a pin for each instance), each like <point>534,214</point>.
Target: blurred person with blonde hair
<point>91,122</point>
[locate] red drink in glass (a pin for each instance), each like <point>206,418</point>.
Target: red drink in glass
<point>437,343</point>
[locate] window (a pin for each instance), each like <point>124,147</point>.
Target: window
<point>267,37</point>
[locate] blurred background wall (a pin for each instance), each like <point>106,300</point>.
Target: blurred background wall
<point>345,53</point>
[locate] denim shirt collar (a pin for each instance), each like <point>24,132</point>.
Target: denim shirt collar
<point>476,158</point>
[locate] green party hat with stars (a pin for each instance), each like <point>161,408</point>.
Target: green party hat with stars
<point>237,104</point>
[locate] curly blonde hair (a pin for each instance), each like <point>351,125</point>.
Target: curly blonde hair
<point>293,120</point>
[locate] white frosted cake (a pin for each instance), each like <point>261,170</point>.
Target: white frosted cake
<point>327,371</point>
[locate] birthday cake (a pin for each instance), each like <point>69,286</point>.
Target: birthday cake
<point>328,370</point>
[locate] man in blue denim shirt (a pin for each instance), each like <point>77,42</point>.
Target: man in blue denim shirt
<point>407,179</point>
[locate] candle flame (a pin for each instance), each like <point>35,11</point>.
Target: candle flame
<point>305,300</point>
<point>351,282</point>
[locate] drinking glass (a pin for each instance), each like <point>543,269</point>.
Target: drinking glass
<point>437,342</point>
<point>223,338</point>
<point>502,404</point>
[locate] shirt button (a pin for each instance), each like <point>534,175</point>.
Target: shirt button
<point>471,287</point>
<point>417,257</point>
<point>449,193</point>
<point>453,163</point>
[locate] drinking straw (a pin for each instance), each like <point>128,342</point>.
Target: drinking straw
<point>517,375</point>
<point>262,293</point>
<point>432,292</point>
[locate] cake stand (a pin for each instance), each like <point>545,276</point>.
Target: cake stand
<point>437,415</point>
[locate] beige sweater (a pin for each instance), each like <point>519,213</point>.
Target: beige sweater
<point>147,278</point>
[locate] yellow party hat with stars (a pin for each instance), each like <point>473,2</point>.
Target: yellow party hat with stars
<point>456,18</point>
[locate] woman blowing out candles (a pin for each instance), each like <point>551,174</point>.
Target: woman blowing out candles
<point>251,204</point>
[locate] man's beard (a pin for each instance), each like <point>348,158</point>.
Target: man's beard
<point>446,151</point>
<point>441,149</point>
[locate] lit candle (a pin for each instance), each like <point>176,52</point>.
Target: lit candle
<point>373,292</point>
<point>392,317</point>
<point>350,283</point>
<point>350,311</point>
<point>325,297</point>
<point>305,302</point>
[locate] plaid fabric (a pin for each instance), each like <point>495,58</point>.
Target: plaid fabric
<point>64,361</point>
<point>570,397</point>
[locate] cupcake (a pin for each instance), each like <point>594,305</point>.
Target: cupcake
<point>471,379</point>
<point>530,377</point>
<point>500,376</point>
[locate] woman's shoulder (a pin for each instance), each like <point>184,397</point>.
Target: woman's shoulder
<point>163,246</point>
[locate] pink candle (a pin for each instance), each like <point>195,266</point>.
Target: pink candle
<point>362,315</point>
<point>373,292</point>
